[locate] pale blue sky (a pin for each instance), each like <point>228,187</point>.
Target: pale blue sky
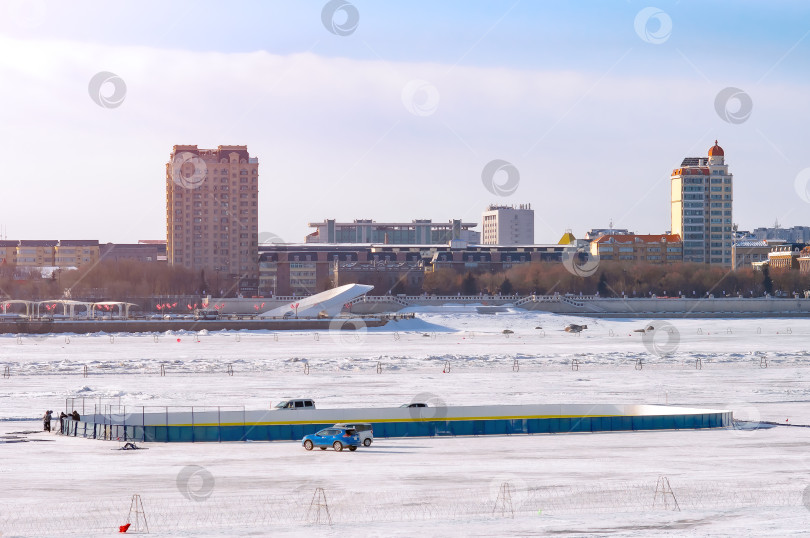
<point>593,116</point>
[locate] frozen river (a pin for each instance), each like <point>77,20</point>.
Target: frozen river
<point>744,481</point>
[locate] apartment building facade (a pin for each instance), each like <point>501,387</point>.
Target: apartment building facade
<point>702,197</point>
<point>76,253</point>
<point>8,252</point>
<point>746,252</point>
<point>142,251</point>
<point>212,214</point>
<point>386,277</point>
<point>804,261</point>
<point>305,269</point>
<point>636,248</point>
<point>785,257</point>
<point>33,253</point>
<point>796,234</point>
<point>416,232</point>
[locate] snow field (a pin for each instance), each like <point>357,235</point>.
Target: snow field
<point>747,481</point>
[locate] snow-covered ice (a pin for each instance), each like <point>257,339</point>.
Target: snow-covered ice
<point>745,481</point>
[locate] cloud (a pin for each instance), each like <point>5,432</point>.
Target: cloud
<point>335,140</point>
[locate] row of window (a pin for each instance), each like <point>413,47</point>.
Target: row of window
<point>201,212</point>
<point>179,205</point>
<point>199,196</point>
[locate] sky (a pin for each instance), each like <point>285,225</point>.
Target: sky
<point>392,111</point>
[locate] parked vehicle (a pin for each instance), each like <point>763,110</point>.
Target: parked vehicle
<point>206,314</point>
<point>364,430</point>
<point>414,405</point>
<point>296,404</point>
<point>337,438</point>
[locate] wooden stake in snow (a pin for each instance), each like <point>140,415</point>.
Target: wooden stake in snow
<point>503,503</point>
<point>664,490</point>
<point>317,507</point>
<point>139,525</point>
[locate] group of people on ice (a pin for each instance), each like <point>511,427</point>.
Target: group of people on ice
<point>46,419</point>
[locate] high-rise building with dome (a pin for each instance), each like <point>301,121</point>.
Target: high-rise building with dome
<point>702,196</point>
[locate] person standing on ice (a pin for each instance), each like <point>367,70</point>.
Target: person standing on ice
<point>62,417</point>
<point>46,421</point>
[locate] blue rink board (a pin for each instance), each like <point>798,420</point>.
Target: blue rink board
<point>417,428</point>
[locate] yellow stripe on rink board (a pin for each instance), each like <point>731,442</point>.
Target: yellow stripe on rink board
<point>381,421</point>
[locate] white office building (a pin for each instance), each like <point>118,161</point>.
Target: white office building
<point>508,225</point>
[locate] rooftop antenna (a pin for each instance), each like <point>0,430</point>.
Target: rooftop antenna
<point>611,224</point>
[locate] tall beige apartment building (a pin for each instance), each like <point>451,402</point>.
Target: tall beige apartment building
<point>702,197</point>
<point>212,220</point>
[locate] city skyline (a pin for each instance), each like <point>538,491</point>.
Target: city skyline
<point>396,119</point>
<point>271,238</point>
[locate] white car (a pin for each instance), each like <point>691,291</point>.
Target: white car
<point>364,430</point>
<point>296,404</point>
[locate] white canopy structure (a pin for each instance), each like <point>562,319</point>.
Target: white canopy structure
<point>123,308</point>
<point>37,309</point>
<point>9,302</point>
<point>328,303</point>
<point>68,307</point>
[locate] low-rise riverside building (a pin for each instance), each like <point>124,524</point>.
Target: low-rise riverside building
<point>785,257</point>
<point>661,248</point>
<point>303,269</point>
<point>746,252</point>
<point>76,253</point>
<point>416,232</point>
<point>804,261</point>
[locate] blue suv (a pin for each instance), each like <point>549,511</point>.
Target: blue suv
<point>337,438</point>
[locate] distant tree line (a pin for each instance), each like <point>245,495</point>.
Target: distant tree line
<point>614,279</point>
<point>125,278</point>
<point>106,279</point>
